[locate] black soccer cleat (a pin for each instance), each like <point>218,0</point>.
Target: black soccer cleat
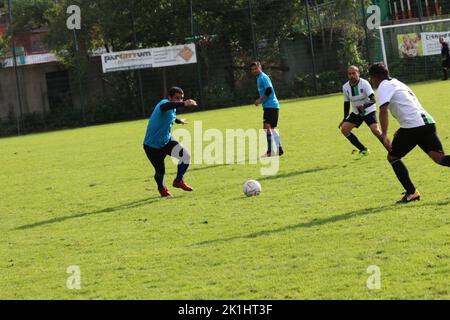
<point>410,198</point>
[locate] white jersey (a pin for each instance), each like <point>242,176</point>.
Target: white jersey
<point>403,104</point>
<point>358,95</point>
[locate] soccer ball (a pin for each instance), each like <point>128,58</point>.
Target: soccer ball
<point>252,188</point>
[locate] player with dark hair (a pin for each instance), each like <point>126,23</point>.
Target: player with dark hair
<point>445,54</point>
<point>158,142</point>
<point>417,127</point>
<point>271,106</point>
<point>360,94</point>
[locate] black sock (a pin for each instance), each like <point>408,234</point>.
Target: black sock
<point>269,143</point>
<point>159,178</point>
<point>182,168</point>
<point>403,176</point>
<point>445,161</point>
<point>354,140</point>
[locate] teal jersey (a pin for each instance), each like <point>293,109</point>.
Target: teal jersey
<point>160,126</point>
<point>264,82</point>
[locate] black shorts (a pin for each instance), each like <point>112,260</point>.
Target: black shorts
<point>357,120</point>
<point>157,156</point>
<point>271,117</point>
<point>405,140</point>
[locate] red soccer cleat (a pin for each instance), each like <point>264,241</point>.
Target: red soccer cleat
<point>182,185</point>
<point>165,193</point>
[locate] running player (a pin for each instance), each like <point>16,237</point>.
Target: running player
<point>360,94</point>
<point>271,106</point>
<point>417,127</point>
<point>158,142</point>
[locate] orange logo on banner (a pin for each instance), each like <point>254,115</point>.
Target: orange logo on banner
<point>186,54</point>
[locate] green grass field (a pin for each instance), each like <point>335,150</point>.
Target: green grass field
<point>86,197</point>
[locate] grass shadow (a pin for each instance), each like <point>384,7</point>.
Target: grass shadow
<point>131,205</point>
<point>304,225</point>
<point>297,173</point>
<point>194,168</point>
<point>317,222</point>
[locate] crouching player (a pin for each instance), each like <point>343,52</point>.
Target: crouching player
<point>158,141</point>
<point>359,92</point>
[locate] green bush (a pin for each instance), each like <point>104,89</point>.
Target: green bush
<point>217,96</point>
<point>7,128</point>
<point>327,82</point>
<point>416,69</point>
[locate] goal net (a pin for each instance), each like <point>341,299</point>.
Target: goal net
<point>412,50</point>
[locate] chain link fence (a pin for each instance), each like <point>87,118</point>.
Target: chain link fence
<point>53,77</point>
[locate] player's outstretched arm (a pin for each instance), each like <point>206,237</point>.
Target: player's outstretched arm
<point>190,103</point>
<point>171,105</point>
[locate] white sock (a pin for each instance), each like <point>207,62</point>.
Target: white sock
<point>276,136</point>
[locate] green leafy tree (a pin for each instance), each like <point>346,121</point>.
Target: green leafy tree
<point>340,22</point>
<point>4,48</point>
<point>241,29</point>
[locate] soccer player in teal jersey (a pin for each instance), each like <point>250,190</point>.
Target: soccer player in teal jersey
<point>271,106</point>
<point>158,142</point>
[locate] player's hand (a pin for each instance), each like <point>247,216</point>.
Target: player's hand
<point>387,143</point>
<point>183,122</point>
<point>258,102</point>
<point>341,124</point>
<point>190,103</point>
<point>361,108</point>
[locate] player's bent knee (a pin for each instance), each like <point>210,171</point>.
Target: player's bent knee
<point>439,160</point>
<point>437,157</point>
<point>346,132</point>
<point>392,159</point>
<point>185,157</point>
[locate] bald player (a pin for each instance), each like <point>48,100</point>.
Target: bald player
<point>359,94</point>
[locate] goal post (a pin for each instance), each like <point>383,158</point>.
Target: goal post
<point>412,50</point>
